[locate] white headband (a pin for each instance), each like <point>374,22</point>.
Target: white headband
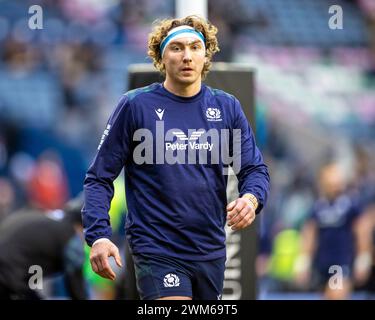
<point>180,32</point>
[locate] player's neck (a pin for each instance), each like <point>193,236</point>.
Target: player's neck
<point>182,89</point>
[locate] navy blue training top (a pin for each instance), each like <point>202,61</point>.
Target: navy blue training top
<point>175,151</point>
<point>335,220</point>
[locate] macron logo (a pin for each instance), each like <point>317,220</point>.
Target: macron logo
<point>160,113</point>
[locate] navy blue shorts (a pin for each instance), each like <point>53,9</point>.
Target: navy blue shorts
<point>160,276</point>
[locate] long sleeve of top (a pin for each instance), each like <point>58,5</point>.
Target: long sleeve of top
<point>112,153</point>
<point>172,150</point>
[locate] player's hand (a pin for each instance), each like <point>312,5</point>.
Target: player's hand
<point>302,279</point>
<point>100,252</point>
<point>240,213</point>
<point>362,268</point>
<point>302,271</point>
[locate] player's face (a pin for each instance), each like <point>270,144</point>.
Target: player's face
<point>332,182</point>
<point>184,60</point>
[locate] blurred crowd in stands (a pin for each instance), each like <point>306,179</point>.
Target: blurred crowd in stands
<point>315,109</point>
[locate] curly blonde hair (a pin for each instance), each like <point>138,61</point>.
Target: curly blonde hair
<point>162,28</point>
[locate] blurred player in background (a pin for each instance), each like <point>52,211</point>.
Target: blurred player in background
<point>52,241</point>
<point>333,236</point>
<point>176,211</point>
